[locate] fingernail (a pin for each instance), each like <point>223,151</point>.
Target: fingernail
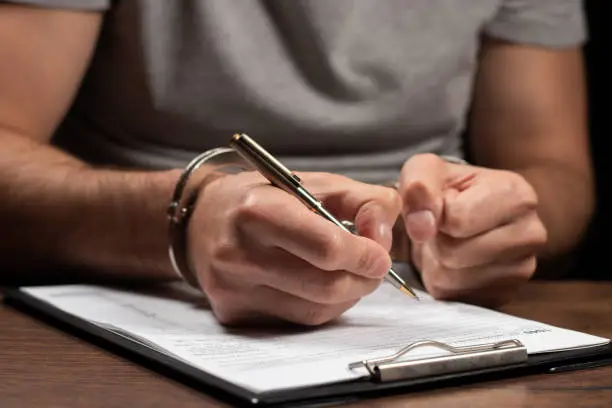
<point>420,225</point>
<point>385,234</point>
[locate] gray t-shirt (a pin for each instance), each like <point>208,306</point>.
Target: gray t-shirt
<point>349,86</point>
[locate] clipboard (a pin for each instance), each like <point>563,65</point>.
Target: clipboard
<point>388,374</point>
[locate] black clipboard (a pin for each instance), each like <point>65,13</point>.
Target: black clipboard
<point>388,375</point>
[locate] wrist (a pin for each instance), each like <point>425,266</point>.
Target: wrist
<point>200,172</point>
<point>117,227</point>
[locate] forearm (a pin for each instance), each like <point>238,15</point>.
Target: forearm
<point>58,214</point>
<point>565,205</point>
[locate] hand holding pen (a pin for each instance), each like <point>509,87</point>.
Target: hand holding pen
<point>283,178</point>
<point>261,254</point>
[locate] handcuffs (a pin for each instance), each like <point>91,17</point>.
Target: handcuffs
<point>185,195</point>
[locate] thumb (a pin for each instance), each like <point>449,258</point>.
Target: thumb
<point>421,187</point>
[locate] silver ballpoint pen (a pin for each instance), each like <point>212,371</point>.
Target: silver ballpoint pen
<point>283,178</point>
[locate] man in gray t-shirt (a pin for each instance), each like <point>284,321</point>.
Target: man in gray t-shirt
<point>105,102</point>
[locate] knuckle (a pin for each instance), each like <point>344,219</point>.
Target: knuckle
<point>216,290</point>
<point>445,284</point>
<point>534,233</point>
<point>427,159</point>
<point>522,189</point>
<point>456,220</point>
<point>250,208</point>
<point>449,256</point>
<point>338,289</point>
<point>365,261</point>
<point>390,198</point>
<point>540,233</point>
<point>330,252</point>
<point>527,268</point>
<point>224,251</point>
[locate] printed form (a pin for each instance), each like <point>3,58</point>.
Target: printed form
<point>278,359</point>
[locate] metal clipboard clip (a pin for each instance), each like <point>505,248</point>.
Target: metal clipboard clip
<point>460,359</point>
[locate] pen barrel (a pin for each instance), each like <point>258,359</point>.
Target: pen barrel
<point>393,278</point>
<point>315,206</point>
<point>283,178</point>
<point>265,163</point>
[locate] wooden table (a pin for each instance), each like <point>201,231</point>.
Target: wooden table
<point>41,366</point>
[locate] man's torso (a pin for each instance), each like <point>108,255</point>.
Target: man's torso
<point>352,86</point>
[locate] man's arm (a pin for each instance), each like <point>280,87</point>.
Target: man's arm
<point>529,116</point>
<point>56,212</point>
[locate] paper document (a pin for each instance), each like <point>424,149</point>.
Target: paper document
<point>266,359</point>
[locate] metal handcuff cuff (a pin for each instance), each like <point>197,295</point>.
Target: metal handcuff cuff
<point>221,159</point>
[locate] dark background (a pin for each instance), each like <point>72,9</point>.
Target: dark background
<point>593,260</point>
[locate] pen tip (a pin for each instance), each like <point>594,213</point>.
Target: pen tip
<point>410,292</point>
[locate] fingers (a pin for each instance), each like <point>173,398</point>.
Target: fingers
<point>376,221</point>
<point>493,200</point>
<point>457,200</point>
<point>260,253</point>
<point>487,285</point>
<point>276,219</point>
<point>512,241</point>
<point>422,182</point>
<point>373,209</point>
<point>487,230</point>
<point>297,310</point>
<point>263,303</point>
<point>280,270</point>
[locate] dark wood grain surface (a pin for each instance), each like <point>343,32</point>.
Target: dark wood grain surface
<point>42,366</point>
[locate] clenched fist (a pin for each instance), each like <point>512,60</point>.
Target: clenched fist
<point>475,232</point>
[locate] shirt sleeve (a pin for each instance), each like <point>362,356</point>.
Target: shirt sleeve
<point>94,5</point>
<point>547,23</point>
